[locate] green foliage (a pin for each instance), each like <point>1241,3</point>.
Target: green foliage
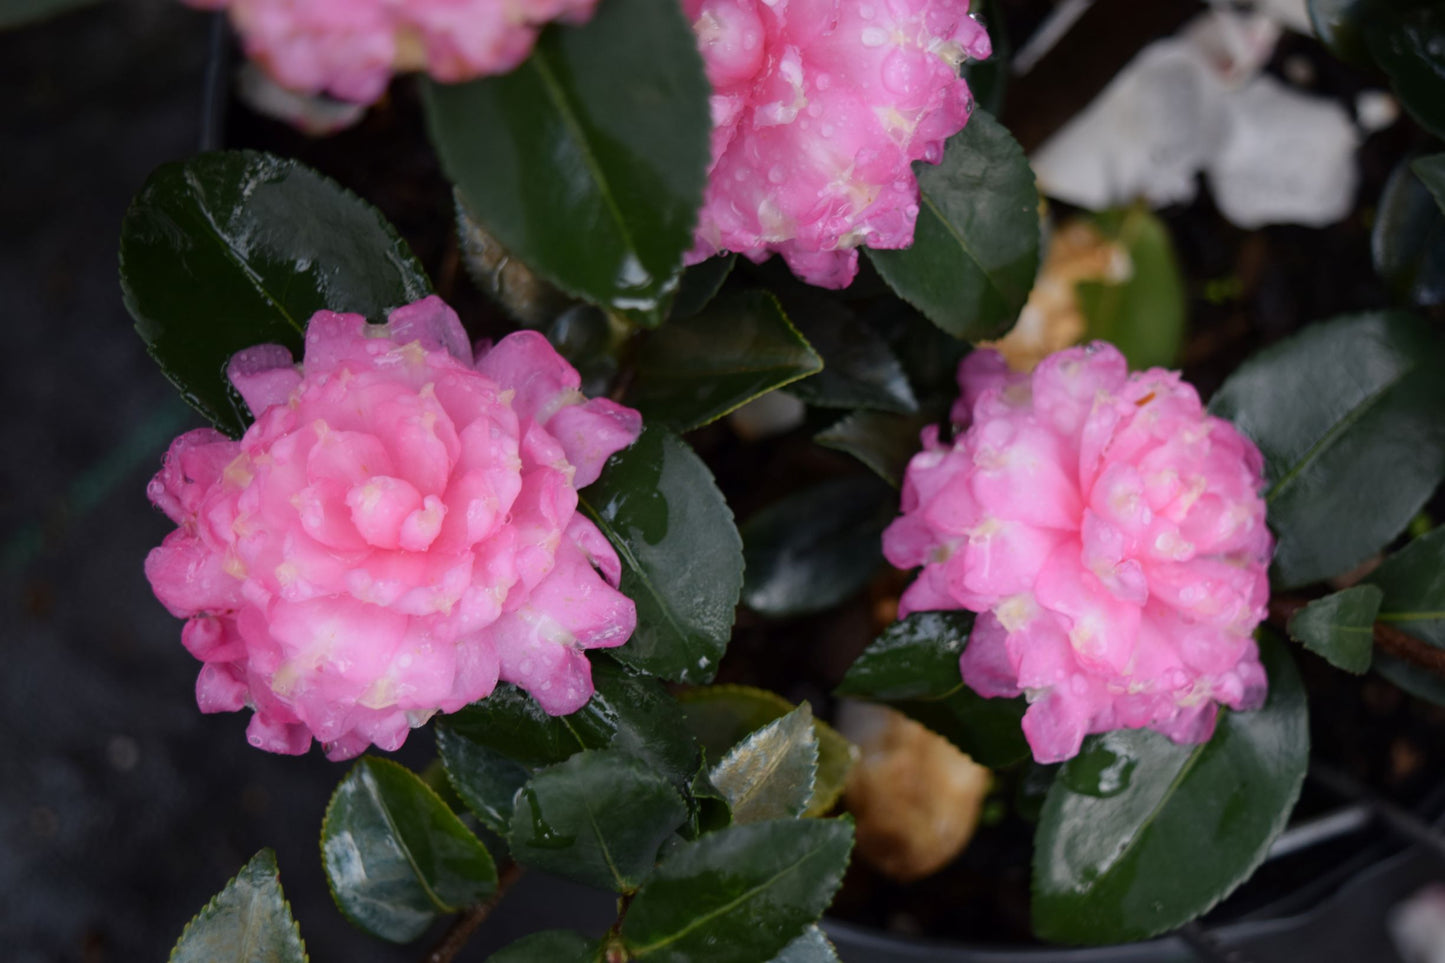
<point>1408,239</point>
<point>722,716</point>
<point>1406,38</point>
<point>248,921</point>
<point>1143,314</point>
<point>1336,408</point>
<point>811,947</point>
<point>740,894</point>
<point>232,249</point>
<point>859,368</point>
<point>549,946</point>
<point>682,560</point>
<point>1413,580</point>
<point>588,161</point>
<point>771,774</point>
<point>882,441</point>
<point>816,547</point>
<point>1340,26</point>
<point>1340,627</point>
<point>396,857</point>
<point>697,369</point>
<point>700,284</point>
<point>599,818</point>
<point>976,245</point>
<point>1139,835</point>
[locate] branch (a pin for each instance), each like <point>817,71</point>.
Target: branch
<point>466,924</point>
<point>1393,641</point>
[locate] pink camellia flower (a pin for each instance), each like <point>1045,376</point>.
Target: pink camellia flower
<point>819,108</point>
<point>1111,536</point>
<point>396,531</point>
<point>349,48</point>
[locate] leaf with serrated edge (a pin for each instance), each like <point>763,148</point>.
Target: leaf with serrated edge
<point>1340,627</point>
<point>771,773</point>
<point>682,558</point>
<point>975,246</point>
<point>549,946</point>
<point>249,921</point>
<point>395,856</point>
<point>740,894</point>
<point>598,818</point>
<point>811,947</point>
<point>915,658</point>
<point>486,779</point>
<point>231,249</point>
<point>694,370</point>
<point>1140,835</point>
<point>1334,409</point>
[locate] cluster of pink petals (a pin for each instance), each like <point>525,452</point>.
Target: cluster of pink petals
<point>819,108</point>
<point>349,48</point>
<point>396,531</point>
<point>1111,535</point>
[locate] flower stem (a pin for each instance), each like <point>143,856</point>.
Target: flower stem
<point>466,924</point>
<point>1390,639</point>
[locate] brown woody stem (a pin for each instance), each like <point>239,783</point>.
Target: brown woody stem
<point>466,924</point>
<point>1390,639</point>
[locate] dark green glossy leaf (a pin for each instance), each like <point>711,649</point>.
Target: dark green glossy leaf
<point>598,818</point>
<point>1142,315</point>
<point>721,716</point>
<point>1139,835</point>
<point>1335,409</point>
<point>589,161</point>
<point>1431,171</point>
<point>916,658</point>
<point>1339,25</point>
<point>695,370</point>
<point>710,810</point>
<point>1340,627</point>
<point>738,895</point>
<point>883,441</point>
<point>976,245</point>
<point>549,946</point>
<point>859,369</point>
<point>682,558</point>
<point>1408,239</point>
<point>929,355</point>
<point>1407,40</point>
<point>700,284</point>
<point>811,947</point>
<point>989,731</point>
<point>771,773</point>
<point>628,712</point>
<point>248,921</point>
<point>485,778</point>
<point>816,547</point>
<point>396,857</point>
<point>1413,580</point>
<point>233,249</point>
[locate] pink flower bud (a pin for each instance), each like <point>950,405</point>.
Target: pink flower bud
<point>819,108</point>
<point>396,531</point>
<point>1111,536</point>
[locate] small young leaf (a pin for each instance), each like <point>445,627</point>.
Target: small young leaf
<point>738,895</point>
<point>682,558</point>
<point>1340,627</point>
<point>550,946</point>
<point>396,857</point>
<point>235,248</point>
<point>771,773</point>
<point>1405,40</point>
<point>976,244</point>
<point>1431,171</point>
<point>859,368</point>
<point>700,284</point>
<point>248,921</point>
<point>721,716</point>
<point>916,658</point>
<point>812,549</point>
<point>486,779</point>
<point>598,818</point>
<point>1139,835</point>
<point>1408,239</point>
<point>881,440</point>
<point>811,947</point>
<point>589,160</point>
<point>1143,315</point>
<point>1334,409</point>
<point>695,370</point>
